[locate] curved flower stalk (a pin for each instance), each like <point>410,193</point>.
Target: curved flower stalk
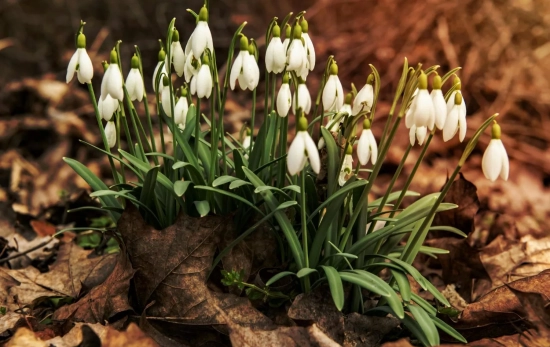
<point>304,98</point>
<point>177,53</point>
<point>366,146</point>
<point>310,50</point>
<point>440,107</point>
<point>160,62</point>
<point>80,63</point>
<point>347,167</point>
<point>302,149</point>
<point>275,55</point>
<point>495,159</point>
<point>422,112</point>
<point>296,54</point>
<point>365,97</point>
<point>110,133</point>
<point>284,97</point>
<point>245,68</point>
<point>456,120</point>
<point>134,81</point>
<point>180,110</point>
<point>333,93</point>
<point>419,133</point>
<point>112,79</point>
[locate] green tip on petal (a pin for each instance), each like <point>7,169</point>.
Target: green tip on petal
<point>370,79</point>
<point>422,81</point>
<point>302,121</point>
<point>243,43</point>
<point>366,123</point>
<point>297,32</point>
<point>458,98</point>
<point>305,25</point>
<point>135,62</point>
<point>288,30</point>
<point>276,30</point>
<point>347,100</point>
<point>436,82</point>
<point>81,41</point>
<point>205,59</point>
<point>333,69</point>
<point>203,14</point>
<point>286,78</point>
<point>495,131</point>
<point>184,92</point>
<point>175,35</point>
<point>162,55</point>
<point>165,81</point>
<point>114,57</point>
<point>349,150</point>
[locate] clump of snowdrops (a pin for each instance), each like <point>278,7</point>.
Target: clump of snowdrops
<point>312,195</point>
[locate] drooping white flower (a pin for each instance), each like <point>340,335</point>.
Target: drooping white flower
<point>310,50</point>
<point>456,120</point>
<point>440,107</point>
<point>134,81</point>
<point>275,55</point>
<point>203,80</point>
<point>365,97</point>
<point>296,54</point>
<point>245,68</point>
<point>110,133</point>
<point>107,107</point>
<point>347,167</point>
<point>346,107</point>
<point>302,149</point>
<point>161,62</point>
<point>284,97</point>
<point>112,79</point>
<point>495,159</point>
<point>177,53</point>
<point>408,119</point>
<point>333,93</point>
<point>304,98</point>
<point>450,101</point>
<point>166,96</point>
<point>201,38</point>
<point>422,110</point>
<point>366,146</point>
<point>80,63</point>
<point>180,110</point>
<point>420,134</point>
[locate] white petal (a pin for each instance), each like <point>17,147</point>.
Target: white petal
<point>451,124</point>
<point>412,134</point>
<point>421,134</point>
<point>255,73</point>
<point>270,55</point>
<point>180,110</point>
<point>204,82</point>
<point>155,72</point>
<point>296,56</point>
<point>505,170</point>
<point>165,98</point>
<point>296,158</point>
<point>373,147</point>
<point>363,100</point>
<point>104,83</point>
<point>312,152</point>
<point>462,125</point>
<point>423,111</point>
<point>346,108</point>
<point>85,70</point>
<point>246,142</point>
<point>279,55</point>
<point>363,147</point>
<point>202,38</point>
<point>492,160</point>
<point>110,134</point>
<point>339,94</point>
<point>329,94</point>
<point>107,107</point>
<point>440,108</point>
<point>114,86</point>
<point>178,57</point>
<point>193,85</point>
<point>251,73</point>
<point>71,69</point>
<point>133,84</point>
<point>310,51</point>
<point>188,44</point>
<point>237,68</point>
<point>284,99</point>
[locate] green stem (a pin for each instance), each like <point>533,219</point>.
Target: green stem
<point>253,119</point>
<point>197,128</point>
<point>305,245</point>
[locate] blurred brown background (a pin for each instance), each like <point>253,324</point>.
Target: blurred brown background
<point>502,46</point>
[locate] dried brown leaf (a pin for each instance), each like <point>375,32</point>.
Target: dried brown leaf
<point>132,337</point>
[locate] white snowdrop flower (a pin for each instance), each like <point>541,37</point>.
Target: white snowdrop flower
<point>201,38</point>
<point>365,97</point>
<point>333,93</point>
<point>161,62</point>
<point>408,119</point>
<point>107,107</point>
<point>310,50</point>
<point>112,79</point>
<point>203,81</point>
<point>450,101</point>
<point>440,107</point>
<point>275,55</point>
<point>247,139</point>
<point>284,97</point>
<point>191,67</point>
<point>134,81</point>
<point>346,170</point>
<point>302,149</point>
<point>80,63</point>
<point>177,53</point>
<point>180,110</point>
<point>296,54</point>
<point>110,133</point>
<point>495,159</point>
<point>456,120</point>
<point>420,134</point>
<point>286,42</point>
<point>166,96</point>
<point>245,68</point>
<point>366,146</point>
<point>422,110</point>
<point>304,98</point>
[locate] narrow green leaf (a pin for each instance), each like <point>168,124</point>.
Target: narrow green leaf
<point>180,187</point>
<point>448,329</point>
<point>231,195</point>
<point>305,272</point>
<point>238,183</point>
<point>223,180</point>
<point>335,285</point>
<point>203,207</point>
<point>426,324</point>
<point>403,284</point>
<point>278,277</point>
